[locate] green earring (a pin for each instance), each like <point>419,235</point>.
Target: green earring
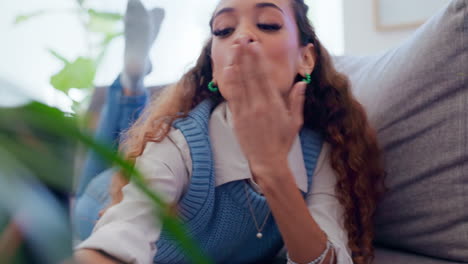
<point>212,87</point>
<point>307,79</point>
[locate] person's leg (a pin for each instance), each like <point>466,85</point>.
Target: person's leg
<point>93,200</point>
<point>118,113</point>
<point>125,99</point>
<point>141,29</point>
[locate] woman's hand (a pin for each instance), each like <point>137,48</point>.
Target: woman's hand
<point>265,123</point>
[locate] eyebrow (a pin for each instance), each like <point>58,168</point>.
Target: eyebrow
<point>259,5</point>
<point>263,5</point>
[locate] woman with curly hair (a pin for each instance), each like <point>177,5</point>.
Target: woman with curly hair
<point>260,147</point>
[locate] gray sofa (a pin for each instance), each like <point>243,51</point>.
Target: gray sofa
<point>416,96</point>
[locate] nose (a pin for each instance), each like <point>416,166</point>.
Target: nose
<point>245,34</point>
<point>244,39</point>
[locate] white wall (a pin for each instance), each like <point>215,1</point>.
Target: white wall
<point>360,34</point>
<point>327,18</point>
<point>24,60</point>
<point>27,65</point>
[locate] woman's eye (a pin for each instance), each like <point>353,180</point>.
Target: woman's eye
<point>269,27</point>
<point>223,32</point>
<point>227,31</point>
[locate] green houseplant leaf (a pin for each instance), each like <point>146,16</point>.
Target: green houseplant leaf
<point>103,22</point>
<point>53,122</point>
<point>25,17</point>
<point>77,74</point>
<point>105,15</point>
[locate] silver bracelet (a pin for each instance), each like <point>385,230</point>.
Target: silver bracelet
<point>317,260</point>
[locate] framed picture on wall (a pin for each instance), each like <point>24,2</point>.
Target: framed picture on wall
<point>402,14</point>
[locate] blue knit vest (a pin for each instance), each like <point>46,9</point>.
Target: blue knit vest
<point>218,218</point>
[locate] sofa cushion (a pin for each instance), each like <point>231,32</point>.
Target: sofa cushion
<point>416,96</point>
<point>388,256</point>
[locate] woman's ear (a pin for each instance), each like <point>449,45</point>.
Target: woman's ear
<point>307,59</point>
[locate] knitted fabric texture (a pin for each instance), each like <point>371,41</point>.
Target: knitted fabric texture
<point>218,218</point>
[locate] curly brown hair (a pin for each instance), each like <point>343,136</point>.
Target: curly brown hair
<point>330,108</point>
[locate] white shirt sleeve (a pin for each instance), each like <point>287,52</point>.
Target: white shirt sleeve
<point>326,209</point>
<point>128,230</point>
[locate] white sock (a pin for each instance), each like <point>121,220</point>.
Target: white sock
<point>141,29</point>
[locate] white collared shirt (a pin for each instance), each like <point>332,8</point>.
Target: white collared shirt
<point>129,230</point>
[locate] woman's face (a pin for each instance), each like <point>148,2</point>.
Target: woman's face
<point>270,23</point>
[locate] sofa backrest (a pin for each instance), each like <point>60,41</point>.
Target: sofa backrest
<point>416,96</point>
